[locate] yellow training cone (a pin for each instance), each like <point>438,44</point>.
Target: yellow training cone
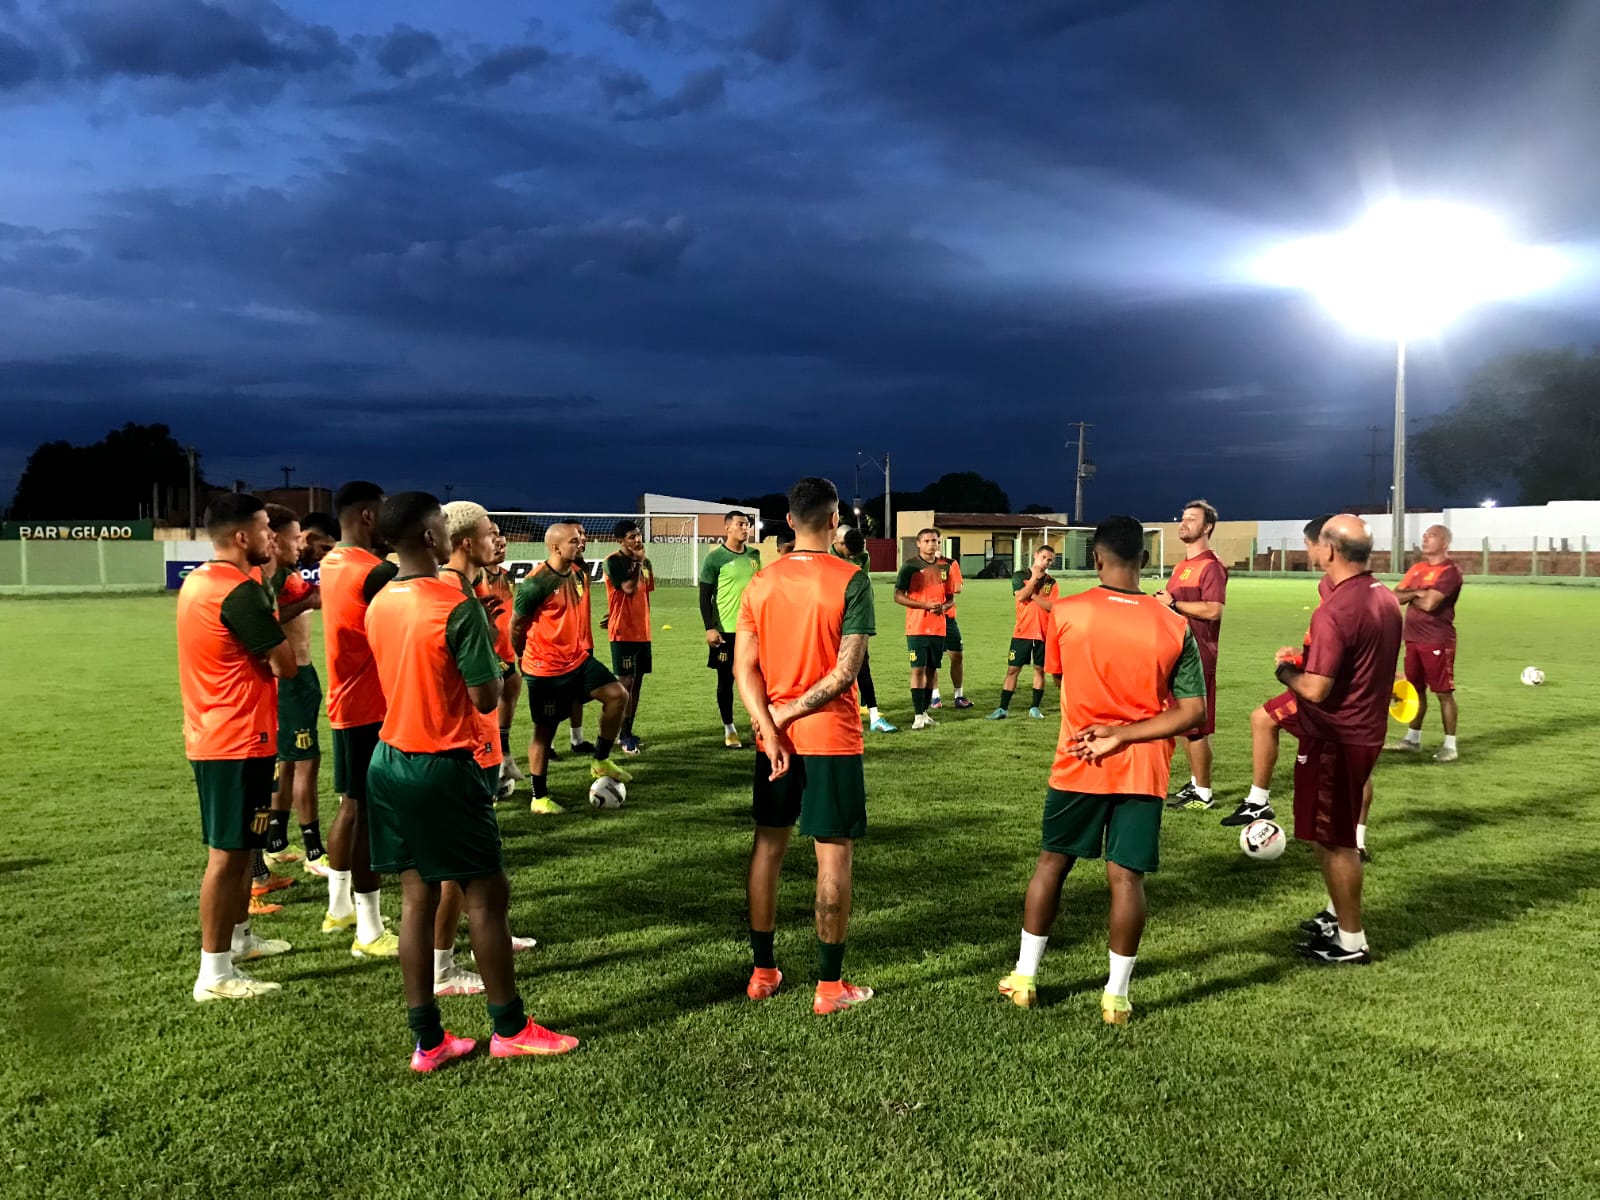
<point>1405,702</point>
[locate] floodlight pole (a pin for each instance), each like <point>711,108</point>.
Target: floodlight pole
<point>1397,547</point>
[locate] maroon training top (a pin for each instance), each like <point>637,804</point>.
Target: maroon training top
<point>1437,628</point>
<point>1355,639</point>
<point>1202,578</point>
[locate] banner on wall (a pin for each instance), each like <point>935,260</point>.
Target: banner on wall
<point>77,531</point>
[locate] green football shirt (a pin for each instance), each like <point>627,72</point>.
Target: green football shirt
<point>730,574</point>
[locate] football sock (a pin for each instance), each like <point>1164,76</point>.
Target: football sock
<point>830,961</point>
<point>761,948</point>
<point>443,960</point>
<point>1352,941</point>
<point>576,733</point>
<point>1259,795</point>
<point>215,966</point>
<point>311,839</point>
<point>1203,792</point>
<point>278,830</point>
<point>960,693</point>
<point>1038,697</point>
<point>872,714</point>
<point>1005,699</point>
<point>259,870</point>
<point>917,705</point>
<point>1449,741</point>
<point>427,1025</point>
<point>725,696</point>
<point>602,748</point>
<point>339,902</point>
<point>933,695</point>
<point>505,740</point>
<point>509,1018</point>
<point>1032,951</point>
<point>241,935</point>
<point>1414,737</point>
<point>540,788</point>
<point>1361,837</point>
<point>1121,972</point>
<point>1331,908</point>
<point>369,924</point>
<point>729,728</point>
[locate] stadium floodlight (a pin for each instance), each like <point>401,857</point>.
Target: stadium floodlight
<point>1406,271</point>
<point>1489,503</point>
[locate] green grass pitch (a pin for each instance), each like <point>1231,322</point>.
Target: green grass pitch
<point>1465,1061</point>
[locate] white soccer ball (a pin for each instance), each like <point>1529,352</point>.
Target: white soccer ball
<point>1532,676</point>
<point>607,793</point>
<point>1263,840</point>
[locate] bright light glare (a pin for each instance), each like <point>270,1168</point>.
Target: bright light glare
<point>1487,504</point>
<point>1406,270</point>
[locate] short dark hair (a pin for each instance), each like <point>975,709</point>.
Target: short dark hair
<point>1205,507</point>
<point>854,542</point>
<point>811,500</point>
<point>279,516</point>
<point>624,528</point>
<point>404,516</point>
<point>323,523</point>
<point>929,529</point>
<point>230,511</point>
<point>1121,538</point>
<point>358,493</point>
<point>785,537</point>
<point>1313,529</point>
<point>735,514</point>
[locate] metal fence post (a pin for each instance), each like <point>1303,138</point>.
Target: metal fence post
<point>23,557</point>
<point>1583,557</point>
<point>1485,556</point>
<point>1533,560</point>
<point>100,555</point>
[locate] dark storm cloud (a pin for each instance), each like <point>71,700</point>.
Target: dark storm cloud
<point>776,36</point>
<point>19,64</point>
<point>190,40</point>
<point>699,90</point>
<point>639,18</point>
<point>405,49</point>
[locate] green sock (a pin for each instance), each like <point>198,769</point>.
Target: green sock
<point>1038,697</point>
<point>830,961</point>
<point>1005,700</point>
<point>509,1019</point>
<point>761,947</point>
<point>425,1023</point>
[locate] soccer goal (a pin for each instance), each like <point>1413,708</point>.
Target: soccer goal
<point>671,540</point>
<point>1072,545</point>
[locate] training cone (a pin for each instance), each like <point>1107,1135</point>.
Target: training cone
<point>1404,702</point>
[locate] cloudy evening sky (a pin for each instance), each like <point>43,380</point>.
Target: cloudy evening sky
<point>703,246</point>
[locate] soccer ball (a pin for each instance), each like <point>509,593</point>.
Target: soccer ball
<point>1532,676</point>
<point>1262,840</point>
<point>607,793</point>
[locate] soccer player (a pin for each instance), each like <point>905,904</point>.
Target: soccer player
<point>552,631</point>
<point>1428,593</point>
<point>1343,689</point>
<point>1035,595</point>
<point>953,646</point>
<point>724,575</point>
<point>630,578</point>
<point>319,533</point>
<point>229,649</point>
<point>1133,682</point>
<point>580,744</point>
<point>1198,591</point>
<point>922,589</point>
<point>495,587</point>
<point>803,630</point>
<point>351,575</point>
<point>784,541</point>
<point>431,803</point>
<point>852,547</point>
<point>1281,711</point>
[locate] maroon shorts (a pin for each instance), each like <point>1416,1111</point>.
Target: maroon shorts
<point>1285,713</point>
<point>1329,778</point>
<point>1209,726</point>
<point>1431,667</point>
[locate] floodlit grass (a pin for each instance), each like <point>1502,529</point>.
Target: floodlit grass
<point>1463,1062</point>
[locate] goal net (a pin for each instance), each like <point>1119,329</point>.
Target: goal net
<point>1073,547</point>
<point>671,540</point>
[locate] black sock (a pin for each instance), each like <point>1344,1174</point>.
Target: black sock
<point>540,790</point>
<point>505,741</point>
<point>917,706</point>
<point>427,1025</point>
<point>602,748</point>
<point>311,839</point>
<point>1038,697</point>
<point>830,961</point>
<point>277,830</point>
<point>509,1019</point>
<point>1005,699</point>
<point>725,696</point>
<point>260,870</point>
<point>761,947</point>
<point>627,726</point>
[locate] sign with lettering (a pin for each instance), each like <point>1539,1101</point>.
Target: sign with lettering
<point>77,531</point>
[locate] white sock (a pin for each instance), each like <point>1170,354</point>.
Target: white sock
<point>1259,795</point>
<point>731,730</point>
<point>369,924</point>
<point>215,966</point>
<point>1121,972</point>
<point>1030,954</point>
<point>1449,741</point>
<point>1331,908</point>
<point>872,713</point>
<point>241,935</point>
<point>339,903</point>
<point>576,733</point>
<point>1414,737</point>
<point>1203,792</point>
<point>935,695</point>
<point>1352,941</point>
<point>1361,837</point>
<point>960,692</point>
<point>443,960</point>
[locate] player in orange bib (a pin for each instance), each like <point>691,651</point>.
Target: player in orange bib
<point>630,578</point>
<point>229,648</point>
<point>922,589</point>
<point>803,627</point>
<point>495,587</point>
<point>1132,681</point>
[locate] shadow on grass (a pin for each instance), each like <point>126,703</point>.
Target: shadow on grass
<point>10,865</point>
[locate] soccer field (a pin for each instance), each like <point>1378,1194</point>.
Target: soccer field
<point>1464,1061</point>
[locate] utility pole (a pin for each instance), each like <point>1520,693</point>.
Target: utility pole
<point>189,450</point>
<point>448,489</point>
<point>287,471</point>
<point>1372,467</point>
<point>1084,471</point>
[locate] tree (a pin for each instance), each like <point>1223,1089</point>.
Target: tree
<point>772,508</point>
<point>961,491</point>
<point>1036,510</point>
<point>112,478</point>
<point>1529,421</point>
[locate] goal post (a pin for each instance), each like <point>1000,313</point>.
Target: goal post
<point>671,540</point>
<point>1073,547</point>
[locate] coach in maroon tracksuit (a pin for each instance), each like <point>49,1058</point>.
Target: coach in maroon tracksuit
<point>1347,683</point>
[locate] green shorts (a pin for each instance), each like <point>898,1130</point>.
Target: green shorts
<point>827,794</point>
<point>952,636</point>
<point>926,652</point>
<point>1025,651</point>
<point>1129,827</point>
<point>551,697</point>
<point>352,754</point>
<point>235,794</point>
<point>299,708</point>
<point>432,814</point>
<point>631,658</point>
